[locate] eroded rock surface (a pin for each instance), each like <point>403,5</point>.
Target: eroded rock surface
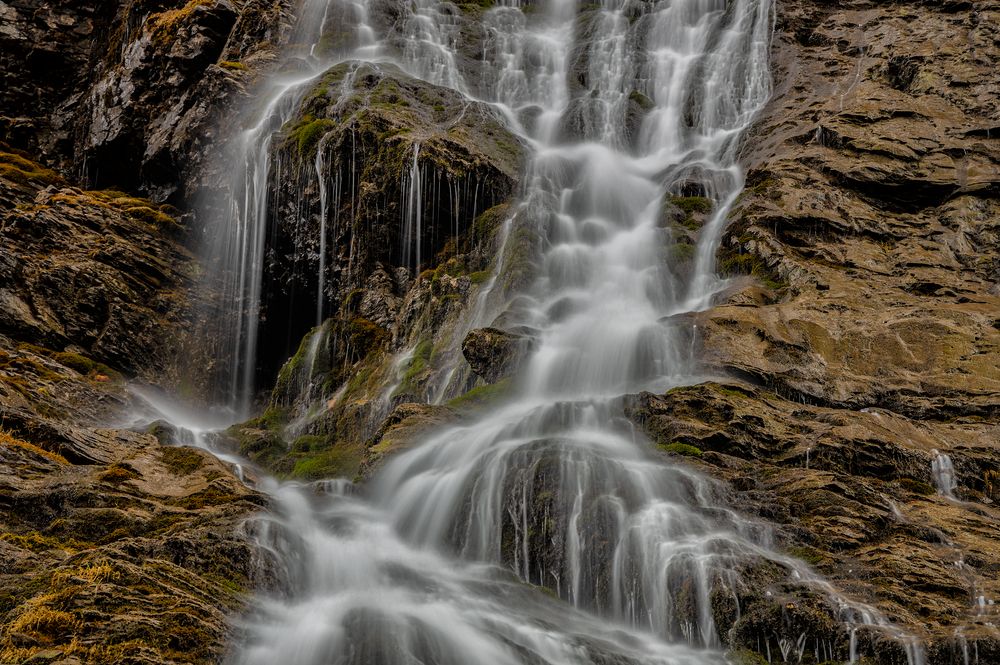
<point>865,329</point>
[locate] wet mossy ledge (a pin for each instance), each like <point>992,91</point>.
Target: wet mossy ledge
<point>381,141</point>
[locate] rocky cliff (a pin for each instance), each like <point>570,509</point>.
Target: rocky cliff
<point>861,338</point>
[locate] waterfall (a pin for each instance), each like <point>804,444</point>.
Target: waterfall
<point>943,473</point>
<point>438,559</point>
<point>234,250</point>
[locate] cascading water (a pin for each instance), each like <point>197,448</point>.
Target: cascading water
<point>553,487</point>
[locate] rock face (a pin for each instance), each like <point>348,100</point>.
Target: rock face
<point>863,319</point>
<point>131,554</point>
<point>116,548</point>
<point>130,94</point>
<point>101,274</point>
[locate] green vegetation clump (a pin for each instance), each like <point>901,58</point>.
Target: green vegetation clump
<point>916,486</point>
<point>232,65</point>
<point>810,555</point>
<point>306,134</point>
<point>182,460</point>
<point>681,253</point>
<point>419,362</point>
<point>691,205</point>
<point>333,462</point>
<point>482,395</point>
<point>678,448</point>
<point>746,263</point>
<point>307,443</point>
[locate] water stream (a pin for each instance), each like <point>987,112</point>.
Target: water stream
<point>440,558</point>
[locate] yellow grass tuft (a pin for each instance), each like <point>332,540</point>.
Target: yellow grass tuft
<point>11,442</point>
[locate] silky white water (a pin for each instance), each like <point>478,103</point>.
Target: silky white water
<point>435,560</point>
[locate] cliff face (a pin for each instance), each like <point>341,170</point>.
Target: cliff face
<point>865,338</point>
<point>131,95</point>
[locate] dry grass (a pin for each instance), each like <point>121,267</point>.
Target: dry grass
<point>11,442</point>
<point>91,573</point>
<point>164,25</point>
<point>38,619</point>
<point>24,171</point>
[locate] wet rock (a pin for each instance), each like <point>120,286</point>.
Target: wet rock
<point>138,109</point>
<point>493,353</point>
<point>401,429</point>
<point>407,167</point>
<point>851,494</point>
<point>95,274</point>
<point>137,553</point>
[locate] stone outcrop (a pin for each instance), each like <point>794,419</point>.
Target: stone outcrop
<point>116,548</point>
<point>133,552</point>
<point>407,166</point>
<point>492,353</point>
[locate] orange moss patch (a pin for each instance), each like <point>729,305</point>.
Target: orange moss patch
<point>163,26</point>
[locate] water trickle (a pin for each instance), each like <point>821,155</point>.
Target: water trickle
<point>944,474</point>
<point>412,213</point>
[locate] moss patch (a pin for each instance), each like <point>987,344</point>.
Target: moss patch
<point>182,460</point>
<point>481,396</point>
<point>20,169</point>
<point>678,448</point>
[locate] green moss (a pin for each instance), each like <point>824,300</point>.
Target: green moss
<point>293,364</point>
<point>678,448</point>
<point>480,276</point>
<point>730,391</point>
<point>338,461</point>
<point>489,222</point>
<point>232,66</point>
<point>409,382</point>
<point>916,486</point>
<point>307,443</point>
<point>691,205</point>
<point>305,135</point>
<point>482,395</point>
<point>182,460</point>
<point>274,418</point>
<point>364,336</point>
<point>745,263</point>
<point>680,253</point>
<point>810,555</point>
